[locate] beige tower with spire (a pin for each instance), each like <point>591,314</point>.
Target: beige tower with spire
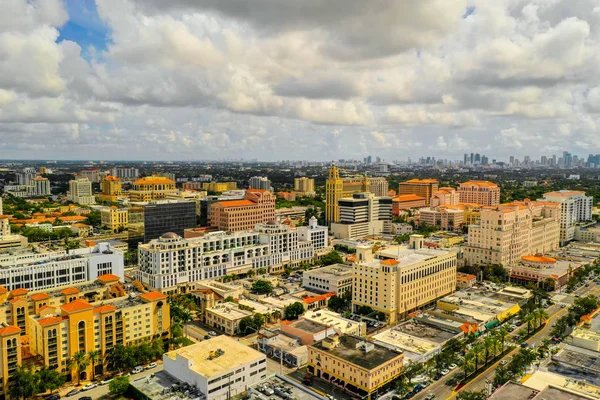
<point>334,190</point>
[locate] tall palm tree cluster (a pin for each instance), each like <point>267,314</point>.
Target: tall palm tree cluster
<point>81,360</point>
<point>484,351</point>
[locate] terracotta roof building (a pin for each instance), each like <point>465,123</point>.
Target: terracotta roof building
<point>258,206</point>
<point>151,188</point>
<point>479,192</point>
<point>420,187</point>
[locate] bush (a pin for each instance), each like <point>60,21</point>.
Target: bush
<point>119,385</point>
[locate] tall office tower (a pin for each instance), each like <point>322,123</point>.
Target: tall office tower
<point>484,160</point>
<point>479,192</point>
<point>510,231</point>
<point>378,159</point>
<point>125,174</point>
<point>544,160</point>
<point>151,188</point>
<point>575,207</point>
<point>257,207</point>
<point>110,189</point>
<point>80,192</point>
<point>421,187</point>
<point>472,158</point>
<point>527,160</point>
<point>260,182</point>
<point>567,159</point>
<point>363,214</point>
<point>369,159</point>
<point>304,186</point>
<point>512,160</point>
<point>165,216</point>
<point>554,161</point>
<point>40,186</point>
<point>466,159</point>
<point>334,190</point>
<point>477,158</point>
<point>379,186</point>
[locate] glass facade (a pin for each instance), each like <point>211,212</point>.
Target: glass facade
<point>169,217</point>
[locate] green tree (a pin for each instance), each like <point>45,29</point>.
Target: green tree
<point>333,257</point>
<point>79,363</point>
<point>294,310</point>
<point>94,358</point>
<point>229,299</point>
<point>245,325</point>
<point>336,304</point>
<point>478,350</point>
<point>251,273</point>
<point>49,379</point>
<point>119,385</point>
<point>262,286</point>
<point>24,383</point>
<point>466,395</point>
<point>258,320</point>
<point>93,218</point>
<point>261,271</point>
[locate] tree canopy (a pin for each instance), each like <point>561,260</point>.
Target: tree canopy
<point>262,286</point>
<point>294,310</point>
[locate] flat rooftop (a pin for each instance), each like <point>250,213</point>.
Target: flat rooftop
<point>156,387</point>
<point>332,319</point>
<point>346,350</point>
<point>407,256</point>
<point>234,354</point>
<point>230,311</point>
<point>557,386</point>
<point>309,326</point>
<point>514,391</point>
<point>555,393</point>
<point>296,391</point>
<point>331,271</point>
<point>428,332</point>
<point>396,339</point>
<point>579,358</point>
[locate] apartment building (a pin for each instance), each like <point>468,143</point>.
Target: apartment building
<point>336,278</point>
<point>94,175</point>
<point>219,186</point>
<point>80,192</point>
<point>407,202</point>
<point>260,182</point>
<point>361,215</point>
<point>420,187</point>
<point>151,188</point>
<point>125,173</point>
<point>221,367</point>
<point>575,207</point>
<point>304,186</point>
<point>445,196</point>
<point>10,356</point>
<point>379,186</point>
<point>406,279</point>
<point>114,218</point>
<point>111,189</point>
<point>37,271</point>
<point>258,206</point>
<point>357,366</point>
<point>479,192</point>
<point>509,231</point>
<point>447,218</point>
<point>57,332</point>
<point>40,186</point>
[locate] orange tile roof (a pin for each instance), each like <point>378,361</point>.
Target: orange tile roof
<point>108,278</point>
<point>420,181</point>
<point>154,295</point>
<point>9,330</point>
<point>17,299</point>
<point>256,190</point>
<point>390,261</point>
<point>70,290</point>
<point>105,308</point>
<point>153,180</point>
<point>111,178</point>
<point>236,203</point>
<point>19,292</point>
<point>81,225</point>
<point>76,305</point>
<point>50,320</point>
<point>480,183</point>
<point>539,259</point>
<point>313,299</point>
<point>3,289</point>
<point>466,278</point>
<point>408,197</point>
<point>42,308</point>
<point>39,296</point>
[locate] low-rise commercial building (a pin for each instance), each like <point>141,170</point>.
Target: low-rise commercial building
<point>336,278</point>
<point>220,367</point>
<point>547,272</point>
<point>286,349</point>
<point>353,364</point>
<point>343,326</point>
<point>307,331</point>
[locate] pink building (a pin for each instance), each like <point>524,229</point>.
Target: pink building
<point>445,196</point>
<point>257,207</point>
<point>479,192</point>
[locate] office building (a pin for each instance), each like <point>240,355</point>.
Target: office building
<point>361,215</point>
<point>62,324</point>
<point>318,235</point>
<point>479,192</point>
<point>445,196</point>
<point>359,366</point>
<point>260,182</point>
<point>151,188</point>
<point>258,206</point>
<point>420,187</point>
<point>93,175</point>
<point>38,271</point>
<point>304,186</point>
<point>509,231</point>
<point>114,218</point>
<point>379,186</point>
<point>406,279</point>
<point>336,278</point>
<point>165,216</point>
<point>407,202</point>
<point>219,187</point>
<point>40,186</point>
<point>185,195</point>
<point>337,188</point>
<point>110,189</point>
<point>125,174</point>
<point>447,218</point>
<point>25,176</point>
<point>206,202</point>
<point>221,367</point>
<point>80,192</point>
<point>575,207</point>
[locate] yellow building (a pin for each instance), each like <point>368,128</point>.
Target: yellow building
<point>353,364</point>
<point>151,188</point>
<point>219,186</point>
<point>421,187</point>
<point>111,189</point>
<point>304,186</point>
<point>10,355</point>
<point>337,188</point>
<point>114,218</point>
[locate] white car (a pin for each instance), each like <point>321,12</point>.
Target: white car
<point>445,372</point>
<point>137,370</point>
<point>503,362</point>
<point>151,365</point>
<point>212,333</point>
<point>106,381</point>
<point>89,386</point>
<point>452,366</point>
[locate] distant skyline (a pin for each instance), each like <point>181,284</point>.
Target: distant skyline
<point>298,80</point>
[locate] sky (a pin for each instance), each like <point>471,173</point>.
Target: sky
<point>304,79</point>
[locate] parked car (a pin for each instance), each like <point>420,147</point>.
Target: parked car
<point>151,365</point>
<point>137,369</point>
<point>524,345</point>
<point>503,362</point>
<point>444,372</point>
<point>452,366</point>
<point>73,392</point>
<point>54,396</point>
<point>430,396</point>
<point>90,386</point>
<point>212,333</point>
<point>563,305</point>
<point>106,381</point>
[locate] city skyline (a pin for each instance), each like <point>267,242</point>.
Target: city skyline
<point>326,80</point>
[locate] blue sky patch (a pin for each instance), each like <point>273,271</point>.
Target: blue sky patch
<point>85,27</point>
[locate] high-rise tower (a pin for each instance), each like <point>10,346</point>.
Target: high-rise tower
<point>334,190</point>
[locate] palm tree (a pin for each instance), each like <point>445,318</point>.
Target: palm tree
<point>529,318</point>
<point>488,344</point>
<point>94,358</point>
<point>79,362</point>
<point>468,364</point>
<point>541,315</point>
<point>477,351</point>
<point>276,315</point>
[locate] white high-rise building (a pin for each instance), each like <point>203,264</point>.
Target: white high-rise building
<point>125,174</point>
<point>40,186</point>
<point>363,214</point>
<point>260,182</point>
<point>314,233</point>
<point>80,192</point>
<point>575,207</point>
